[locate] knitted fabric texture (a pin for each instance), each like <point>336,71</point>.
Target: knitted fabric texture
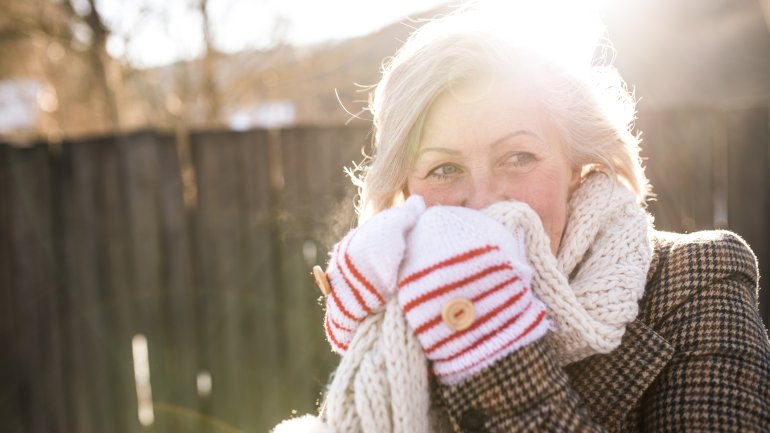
<point>592,289</point>
<point>449,260</point>
<point>460,263</point>
<point>363,269</point>
<point>381,384</point>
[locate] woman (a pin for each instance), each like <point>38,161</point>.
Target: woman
<point>523,179</point>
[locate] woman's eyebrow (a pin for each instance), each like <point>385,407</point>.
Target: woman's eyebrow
<point>438,149</point>
<point>492,145</point>
<point>512,135</point>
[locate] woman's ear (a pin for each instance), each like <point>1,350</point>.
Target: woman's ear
<point>575,178</point>
<point>399,198</point>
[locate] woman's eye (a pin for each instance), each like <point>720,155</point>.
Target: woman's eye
<point>519,159</point>
<point>444,171</point>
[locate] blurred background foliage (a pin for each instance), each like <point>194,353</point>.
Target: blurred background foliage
<point>64,80</point>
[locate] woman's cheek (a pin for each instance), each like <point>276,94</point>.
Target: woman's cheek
<point>554,216</point>
<point>436,194</point>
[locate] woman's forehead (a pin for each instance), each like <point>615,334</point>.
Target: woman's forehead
<point>479,106</point>
<point>515,80</point>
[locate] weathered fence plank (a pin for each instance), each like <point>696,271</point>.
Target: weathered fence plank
<point>85,324</point>
<point>215,238</point>
<point>115,280</point>
<point>314,193</point>
<point>30,306</point>
<point>144,184</point>
<point>29,270</point>
<point>9,380</point>
<point>179,301</point>
<point>233,226</point>
<point>301,314</point>
<point>259,354</point>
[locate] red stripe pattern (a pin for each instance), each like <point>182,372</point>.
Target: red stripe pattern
<point>430,258</point>
<point>363,270</point>
<point>506,314</point>
<point>352,297</point>
<point>448,288</point>
<point>459,258</point>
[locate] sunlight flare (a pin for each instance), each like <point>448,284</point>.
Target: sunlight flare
<point>142,379</point>
<point>566,32</point>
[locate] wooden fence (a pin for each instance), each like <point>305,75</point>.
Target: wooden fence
<point>203,245</point>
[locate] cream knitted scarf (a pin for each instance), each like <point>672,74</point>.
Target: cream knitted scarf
<point>593,287</point>
<point>380,386</point>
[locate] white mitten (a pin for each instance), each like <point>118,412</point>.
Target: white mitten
<point>303,424</point>
<point>465,287</point>
<point>363,269</point>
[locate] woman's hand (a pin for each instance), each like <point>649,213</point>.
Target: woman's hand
<point>363,270</point>
<point>465,289</point>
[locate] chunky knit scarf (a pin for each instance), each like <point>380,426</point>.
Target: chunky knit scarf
<point>380,386</point>
<point>593,287</point>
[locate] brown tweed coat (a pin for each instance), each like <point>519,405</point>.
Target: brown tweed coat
<point>696,359</point>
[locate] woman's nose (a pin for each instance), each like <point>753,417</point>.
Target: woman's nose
<point>483,193</point>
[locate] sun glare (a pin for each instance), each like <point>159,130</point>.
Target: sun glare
<point>567,32</point>
<point>173,30</point>
<point>142,380</point>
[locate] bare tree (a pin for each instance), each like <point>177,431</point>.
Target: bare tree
<point>62,44</point>
<point>106,70</point>
<point>64,48</point>
<point>210,88</point>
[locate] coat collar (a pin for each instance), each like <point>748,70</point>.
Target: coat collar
<point>611,384</point>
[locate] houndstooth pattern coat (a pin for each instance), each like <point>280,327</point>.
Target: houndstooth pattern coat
<point>697,359</point>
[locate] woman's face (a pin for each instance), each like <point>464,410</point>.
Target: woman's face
<point>483,144</point>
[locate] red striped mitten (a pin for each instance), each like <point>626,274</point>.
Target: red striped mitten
<point>363,270</point>
<point>465,289</point>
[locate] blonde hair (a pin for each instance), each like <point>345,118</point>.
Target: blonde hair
<point>590,107</point>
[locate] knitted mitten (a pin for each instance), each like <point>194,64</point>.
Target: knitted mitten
<point>464,286</point>
<point>363,269</point>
